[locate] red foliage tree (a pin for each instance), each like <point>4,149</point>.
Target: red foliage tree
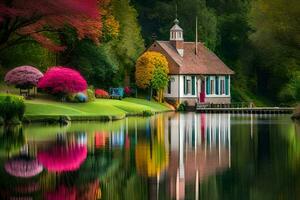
<point>22,18</point>
<point>62,80</point>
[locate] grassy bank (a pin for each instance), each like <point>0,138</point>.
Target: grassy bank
<point>242,95</point>
<point>101,109</point>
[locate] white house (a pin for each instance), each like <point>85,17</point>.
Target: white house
<point>196,73</point>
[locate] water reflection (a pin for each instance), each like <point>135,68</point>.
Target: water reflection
<point>169,156</point>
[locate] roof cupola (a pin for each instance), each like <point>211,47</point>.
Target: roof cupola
<point>176,37</point>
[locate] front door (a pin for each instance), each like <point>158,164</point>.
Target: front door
<point>202,92</point>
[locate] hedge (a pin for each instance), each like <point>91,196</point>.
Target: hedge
<point>12,108</point>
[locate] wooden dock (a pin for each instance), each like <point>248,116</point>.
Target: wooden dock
<point>242,108</point>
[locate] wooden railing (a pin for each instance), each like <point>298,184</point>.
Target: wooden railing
<point>226,105</point>
<point>241,107</point>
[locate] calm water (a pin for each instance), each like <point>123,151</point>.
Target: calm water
<point>169,156</point>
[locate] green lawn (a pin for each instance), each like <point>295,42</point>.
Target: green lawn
<point>39,108</point>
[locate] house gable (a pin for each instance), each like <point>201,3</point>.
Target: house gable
<point>174,65</point>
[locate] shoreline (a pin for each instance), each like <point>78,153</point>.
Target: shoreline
<point>62,119</point>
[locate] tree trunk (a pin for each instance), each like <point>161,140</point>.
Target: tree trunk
<point>151,93</point>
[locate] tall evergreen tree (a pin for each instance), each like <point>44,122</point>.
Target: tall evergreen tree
<point>130,44</point>
<point>156,17</point>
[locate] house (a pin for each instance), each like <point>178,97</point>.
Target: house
<point>196,74</point>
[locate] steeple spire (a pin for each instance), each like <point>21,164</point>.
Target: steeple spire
<point>176,16</point>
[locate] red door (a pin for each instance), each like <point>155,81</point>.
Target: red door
<point>202,93</point>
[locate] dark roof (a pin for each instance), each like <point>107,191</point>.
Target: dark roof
<point>205,62</point>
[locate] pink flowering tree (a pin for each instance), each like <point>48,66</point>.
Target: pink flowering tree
<point>23,77</point>
<point>62,81</point>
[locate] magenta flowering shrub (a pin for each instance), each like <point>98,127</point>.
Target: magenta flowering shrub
<point>62,80</point>
<point>23,77</point>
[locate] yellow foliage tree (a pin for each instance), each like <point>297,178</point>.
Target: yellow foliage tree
<point>150,66</point>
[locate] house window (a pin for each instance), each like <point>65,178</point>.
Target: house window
<point>212,86</point>
<point>222,86</point>
<point>188,85</point>
<point>169,87</point>
<point>187,81</point>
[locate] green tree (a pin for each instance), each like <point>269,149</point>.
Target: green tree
<point>277,39</point>
<point>159,82</point>
<point>26,54</point>
<point>130,44</point>
<point>96,63</point>
<point>157,17</point>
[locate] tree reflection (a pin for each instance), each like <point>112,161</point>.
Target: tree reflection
<point>263,161</point>
<point>11,139</point>
<point>169,156</point>
<point>151,155</point>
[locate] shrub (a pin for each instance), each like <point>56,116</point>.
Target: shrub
<point>91,95</point>
<point>99,93</point>
<point>23,77</point>
<point>181,107</point>
<point>147,113</point>
<point>62,81</point>
<point>12,108</point>
<point>80,97</point>
<point>71,97</point>
<point>128,91</point>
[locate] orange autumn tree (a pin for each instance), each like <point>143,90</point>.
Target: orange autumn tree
<point>152,72</point>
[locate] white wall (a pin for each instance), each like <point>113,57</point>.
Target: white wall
<point>218,95</point>
<point>189,95</point>
<point>174,87</point>
<point>180,78</point>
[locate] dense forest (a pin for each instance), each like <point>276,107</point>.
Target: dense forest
<point>258,39</point>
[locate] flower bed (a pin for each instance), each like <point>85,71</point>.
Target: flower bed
<point>99,93</point>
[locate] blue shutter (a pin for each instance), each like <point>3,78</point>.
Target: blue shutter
<point>193,85</point>
<point>217,85</point>
<point>227,85</point>
<point>184,85</point>
<point>207,85</point>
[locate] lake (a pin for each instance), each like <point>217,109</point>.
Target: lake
<point>167,156</point>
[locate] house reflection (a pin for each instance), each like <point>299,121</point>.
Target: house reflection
<point>199,146</point>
